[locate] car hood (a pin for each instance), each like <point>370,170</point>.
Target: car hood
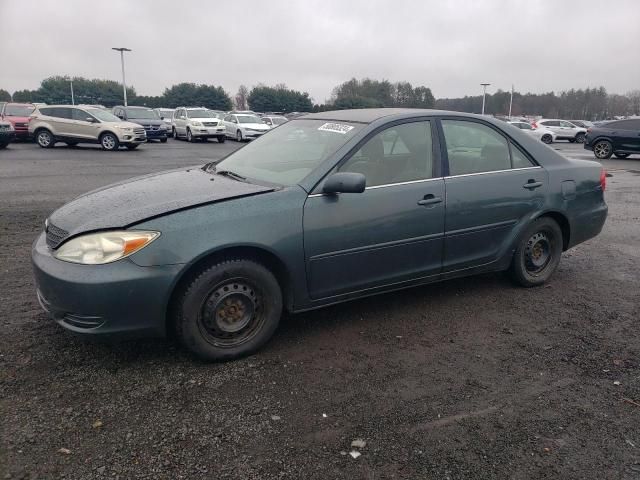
<point>257,126</point>
<point>129,202</point>
<point>12,119</point>
<point>204,119</point>
<point>143,121</point>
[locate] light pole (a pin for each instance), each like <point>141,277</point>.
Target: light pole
<point>71,86</point>
<point>484,94</point>
<point>124,83</point>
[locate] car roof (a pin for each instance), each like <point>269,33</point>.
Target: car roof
<point>369,115</point>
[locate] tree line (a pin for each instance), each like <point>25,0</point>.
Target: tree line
<point>589,103</point>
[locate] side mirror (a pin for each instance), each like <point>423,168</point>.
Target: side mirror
<point>345,182</point>
<point>161,118</point>
<point>89,119</point>
<point>121,117</point>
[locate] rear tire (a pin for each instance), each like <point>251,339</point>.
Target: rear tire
<point>580,138</point>
<point>45,139</point>
<point>109,142</point>
<point>537,254</point>
<point>603,149</point>
<point>546,138</point>
<point>229,310</point>
<point>622,155</point>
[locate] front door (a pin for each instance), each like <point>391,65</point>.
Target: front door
<point>82,127</point>
<point>390,233</point>
<point>492,188</point>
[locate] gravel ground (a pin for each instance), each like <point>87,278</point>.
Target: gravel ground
<point>472,378</point>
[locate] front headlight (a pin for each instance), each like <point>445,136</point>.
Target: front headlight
<point>125,129</point>
<point>104,247</point>
<point>196,124</point>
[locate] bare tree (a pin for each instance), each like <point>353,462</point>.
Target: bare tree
<point>241,98</point>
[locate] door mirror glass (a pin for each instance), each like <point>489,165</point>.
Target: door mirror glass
<point>345,182</point>
<point>89,119</point>
<point>121,117</point>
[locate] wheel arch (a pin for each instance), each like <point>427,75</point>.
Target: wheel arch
<point>256,253</point>
<point>563,222</point>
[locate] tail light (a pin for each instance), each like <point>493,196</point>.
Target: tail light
<point>603,179</point>
<point>534,125</point>
<point>589,130</point>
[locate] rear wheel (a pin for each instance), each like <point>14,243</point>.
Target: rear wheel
<point>622,155</point>
<point>603,149</point>
<point>538,253</point>
<point>229,310</point>
<point>45,139</point>
<point>546,138</point>
<point>109,142</point>
<point>580,137</point>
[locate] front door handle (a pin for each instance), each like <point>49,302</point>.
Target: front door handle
<point>430,199</point>
<point>531,184</point>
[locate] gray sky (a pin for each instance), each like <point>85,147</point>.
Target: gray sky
<point>450,46</point>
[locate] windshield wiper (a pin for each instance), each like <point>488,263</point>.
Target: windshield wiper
<point>230,174</point>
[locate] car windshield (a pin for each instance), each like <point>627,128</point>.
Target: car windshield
<point>248,119</point>
<point>103,115</point>
<point>142,114</point>
<point>289,153</point>
<point>18,110</point>
<point>201,114</point>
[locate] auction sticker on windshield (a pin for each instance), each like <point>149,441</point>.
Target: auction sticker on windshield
<point>336,128</point>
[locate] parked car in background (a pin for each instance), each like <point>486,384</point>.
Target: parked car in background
<point>563,129</point>
<point>18,114</point>
<point>544,134</point>
<point>274,120</point>
<point>7,134</point>
<point>244,126</point>
<point>618,137</point>
<point>195,123</point>
<point>166,114</point>
<point>73,125</point>
<point>154,127</point>
<point>582,123</point>
<point>324,209</point>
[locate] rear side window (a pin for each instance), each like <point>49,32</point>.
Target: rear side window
<point>476,148</point>
<point>550,123</point>
<point>56,112</point>
<point>625,124</point>
<point>47,111</point>
<point>80,115</point>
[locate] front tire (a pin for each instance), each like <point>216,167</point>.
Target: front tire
<point>603,149</point>
<point>45,139</point>
<point>239,136</point>
<point>189,135</point>
<point>622,156</point>
<point>222,139</point>
<point>229,310</point>
<point>109,142</point>
<point>163,140</point>
<point>538,253</point>
<point>546,138</point>
<point>580,138</point>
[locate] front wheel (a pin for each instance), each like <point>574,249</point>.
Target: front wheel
<point>546,138</point>
<point>239,136</point>
<point>222,139</point>
<point>622,155</point>
<point>538,253</point>
<point>163,140</point>
<point>189,135</point>
<point>580,138</point>
<point>229,310</point>
<point>603,149</point>
<point>45,139</point>
<point>109,142</point>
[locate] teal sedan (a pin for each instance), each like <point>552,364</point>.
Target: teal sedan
<point>325,208</point>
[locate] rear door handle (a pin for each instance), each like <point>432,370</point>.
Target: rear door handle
<point>430,199</point>
<point>531,184</point>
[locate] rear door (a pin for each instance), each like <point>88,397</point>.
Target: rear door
<point>388,234</point>
<point>492,188</point>
<point>63,122</point>
<point>554,126</point>
<point>626,135</point>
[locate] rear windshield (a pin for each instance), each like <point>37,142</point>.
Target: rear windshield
<point>19,110</point>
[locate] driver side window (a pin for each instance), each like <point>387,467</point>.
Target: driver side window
<point>401,153</point>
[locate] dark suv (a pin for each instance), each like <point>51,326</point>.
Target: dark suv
<point>619,137</point>
<point>154,126</point>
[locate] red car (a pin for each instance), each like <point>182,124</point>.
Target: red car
<point>18,115</point>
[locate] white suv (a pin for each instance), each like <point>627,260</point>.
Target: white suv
<point>197,122</point>
<point>563,129</point>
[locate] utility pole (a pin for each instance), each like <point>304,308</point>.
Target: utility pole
<point>511,101</point>
<point>73,102</point>
<point>124,83</point>
<point>484,94</point>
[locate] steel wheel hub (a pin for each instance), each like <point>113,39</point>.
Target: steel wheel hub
<point>602,149</point>
<point>231,313</point>
<point>538,252</point>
